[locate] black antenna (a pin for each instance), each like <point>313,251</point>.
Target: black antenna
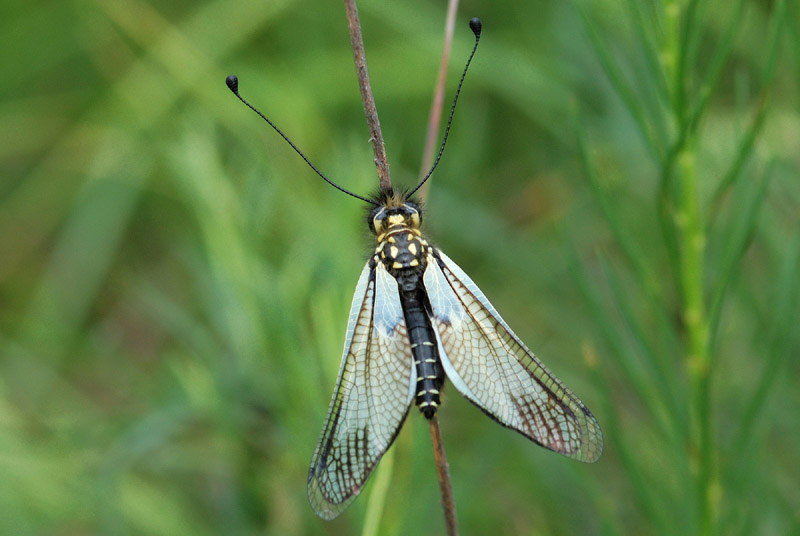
<point>475,26</point>
<point>233,84</point>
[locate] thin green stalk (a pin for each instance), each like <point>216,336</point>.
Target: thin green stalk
<point>670,52</point>
<point>687,115</point>
<point>666,207</point>
<point>687,21</point>
<point>694,36</point>
<point>682,223</point>
<point>690,233</point>
<point>377,498</point>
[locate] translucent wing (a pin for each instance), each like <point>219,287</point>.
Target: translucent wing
<point>372,395</point>
<point>488,363</point>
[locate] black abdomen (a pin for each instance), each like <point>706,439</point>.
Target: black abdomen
<point>430,375</point>
<point>404,253</point>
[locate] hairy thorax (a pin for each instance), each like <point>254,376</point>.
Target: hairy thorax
<point>401,247</point>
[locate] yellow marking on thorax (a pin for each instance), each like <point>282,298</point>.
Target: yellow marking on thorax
<point>389,236</point>
<point>395,219</point>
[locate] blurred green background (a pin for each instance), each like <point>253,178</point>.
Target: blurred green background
<point>621,180</point>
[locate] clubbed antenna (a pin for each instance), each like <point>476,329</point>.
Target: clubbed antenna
<point>475,26</point>
<point>233,84</point>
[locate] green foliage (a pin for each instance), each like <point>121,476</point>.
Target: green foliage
<point>621,180</point>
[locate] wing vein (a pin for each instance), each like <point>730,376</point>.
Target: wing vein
<point>491,366</point>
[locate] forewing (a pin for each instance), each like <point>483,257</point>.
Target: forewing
<point>488,363</point>
<point>373,393</point>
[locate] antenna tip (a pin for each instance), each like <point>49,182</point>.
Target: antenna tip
<point>475,26</point>
<point>233,83</point>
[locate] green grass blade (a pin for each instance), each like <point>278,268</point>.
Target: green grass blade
<point>719,60</point>
<point>736,241</point>
<point>786,302</point>
<point>650,502</point>
<point>746,144</point>
<point>620,351</point>
<point>633,253</point>
<point>621,86</point>
<point>752,427</point>
<point>662,381</point>
<point>378,495</point>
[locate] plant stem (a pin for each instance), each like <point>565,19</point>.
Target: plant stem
<point>360,58</point>
<point>435,117</point>
<point>443,472</point>
<point>381,162</point>
<point>690,242</point>
<point>690,232</point>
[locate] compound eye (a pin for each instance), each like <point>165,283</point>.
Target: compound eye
<point>378,222</point>
<point>412,214</point>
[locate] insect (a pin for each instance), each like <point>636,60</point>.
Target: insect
<point>416,320</point>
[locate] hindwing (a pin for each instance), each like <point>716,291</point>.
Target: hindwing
<point>491,366</point>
